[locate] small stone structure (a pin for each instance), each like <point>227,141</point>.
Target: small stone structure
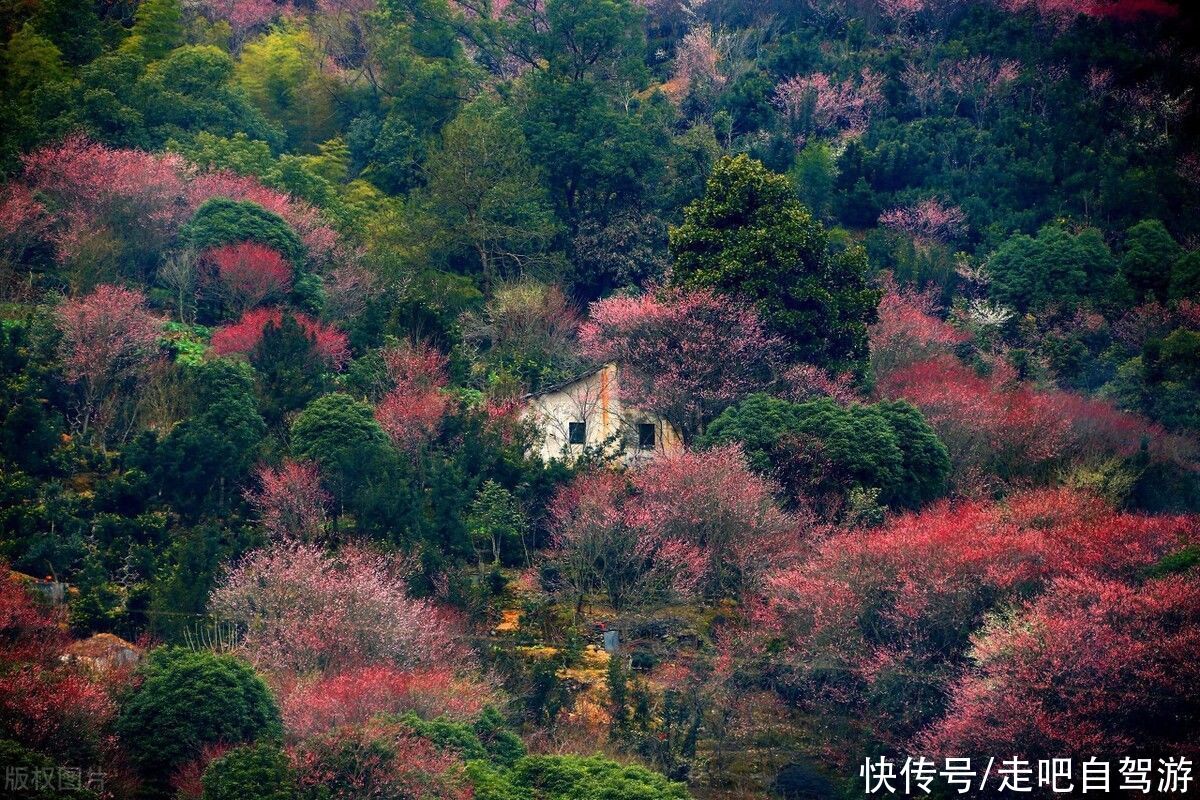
<point>103,652</point>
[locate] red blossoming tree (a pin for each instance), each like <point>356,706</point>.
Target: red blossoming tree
<point>1063,12</point>
<point>1093,667</point>
<point>413,410</point>
<point>47,705</point>
<point>93,188</point>
<point>311,707</point>
<point>24,221</point>
<point>249,273</point>
<point>876,623</point>
<point>993,425</point>
<point>908,330</point>
<point>997,426</point>
<point>818,103</point>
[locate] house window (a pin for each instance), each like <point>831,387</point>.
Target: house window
<point>646,434</point>
<point>577,432</point>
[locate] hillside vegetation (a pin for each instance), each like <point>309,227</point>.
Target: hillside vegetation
<point>917,282</point>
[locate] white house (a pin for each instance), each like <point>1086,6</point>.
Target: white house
<point>586,413</point>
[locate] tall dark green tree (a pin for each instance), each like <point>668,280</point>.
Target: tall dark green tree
<point>885,446</point>
<point>203,462</point>
<point>73,26</point>
<point>486,196</point>
<point>223,221</point>
<point>342,435</point>
<point>749,237</point>
<point>1150,255</point>
<point>290,372</point>
<point>1055,267</point>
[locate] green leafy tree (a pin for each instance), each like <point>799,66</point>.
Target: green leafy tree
<point>389,152</point>
<point>618,694</point>
<point>596,158</point>
<point>496,522</point>
<point>20,760</point>
<point>190,90</point>
<point>31,60</point>
<point>185,573</point>
<point>571,778</point>
<point>279,73</point>
<point>748,102</point>
<point>485,193</point>
<point>238,153</point>
<point>886,446</point>
<point>190,699</point>
<point>813,175</point>
<point>1150,254</point>
<point>424,75</point>
<point>106,102</point>
<point>74,28</point>
<point>575,40</point>
<point>204,459</point>
<point>290,372</point>
<point>342,435</point>
<point>222,221</point>
<point>157,29</point>
<point>1185,277</point>
<point>750,237</point>
<point>1055,267</point>
<point>925,462</point>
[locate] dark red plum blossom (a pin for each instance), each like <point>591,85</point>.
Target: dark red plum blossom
<point>250,273</point>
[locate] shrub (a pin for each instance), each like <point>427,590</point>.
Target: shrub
<point>886,446</point>
<point>189,699</point>
<point>256,772</point>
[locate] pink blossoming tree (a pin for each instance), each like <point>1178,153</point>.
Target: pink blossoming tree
<point>303,609</point>
<point>689,524</point>
<point>290,500</point>
<point>820,104</point>
<point>243,336</point>
<point>413,410</point>
<point>682,354</point>
<point>108,339</point>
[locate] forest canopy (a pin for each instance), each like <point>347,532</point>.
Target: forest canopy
<point>521,399</point>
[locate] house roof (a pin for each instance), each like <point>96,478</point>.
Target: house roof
<point>558,387</point>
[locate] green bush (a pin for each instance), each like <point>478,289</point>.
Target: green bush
<point>222,221</point>
<point>571,778</point>
<point>187,700</point>
<point>257,772</point>
<point>887,446</point>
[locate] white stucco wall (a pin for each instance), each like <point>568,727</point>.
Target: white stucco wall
<point>594,400</point>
